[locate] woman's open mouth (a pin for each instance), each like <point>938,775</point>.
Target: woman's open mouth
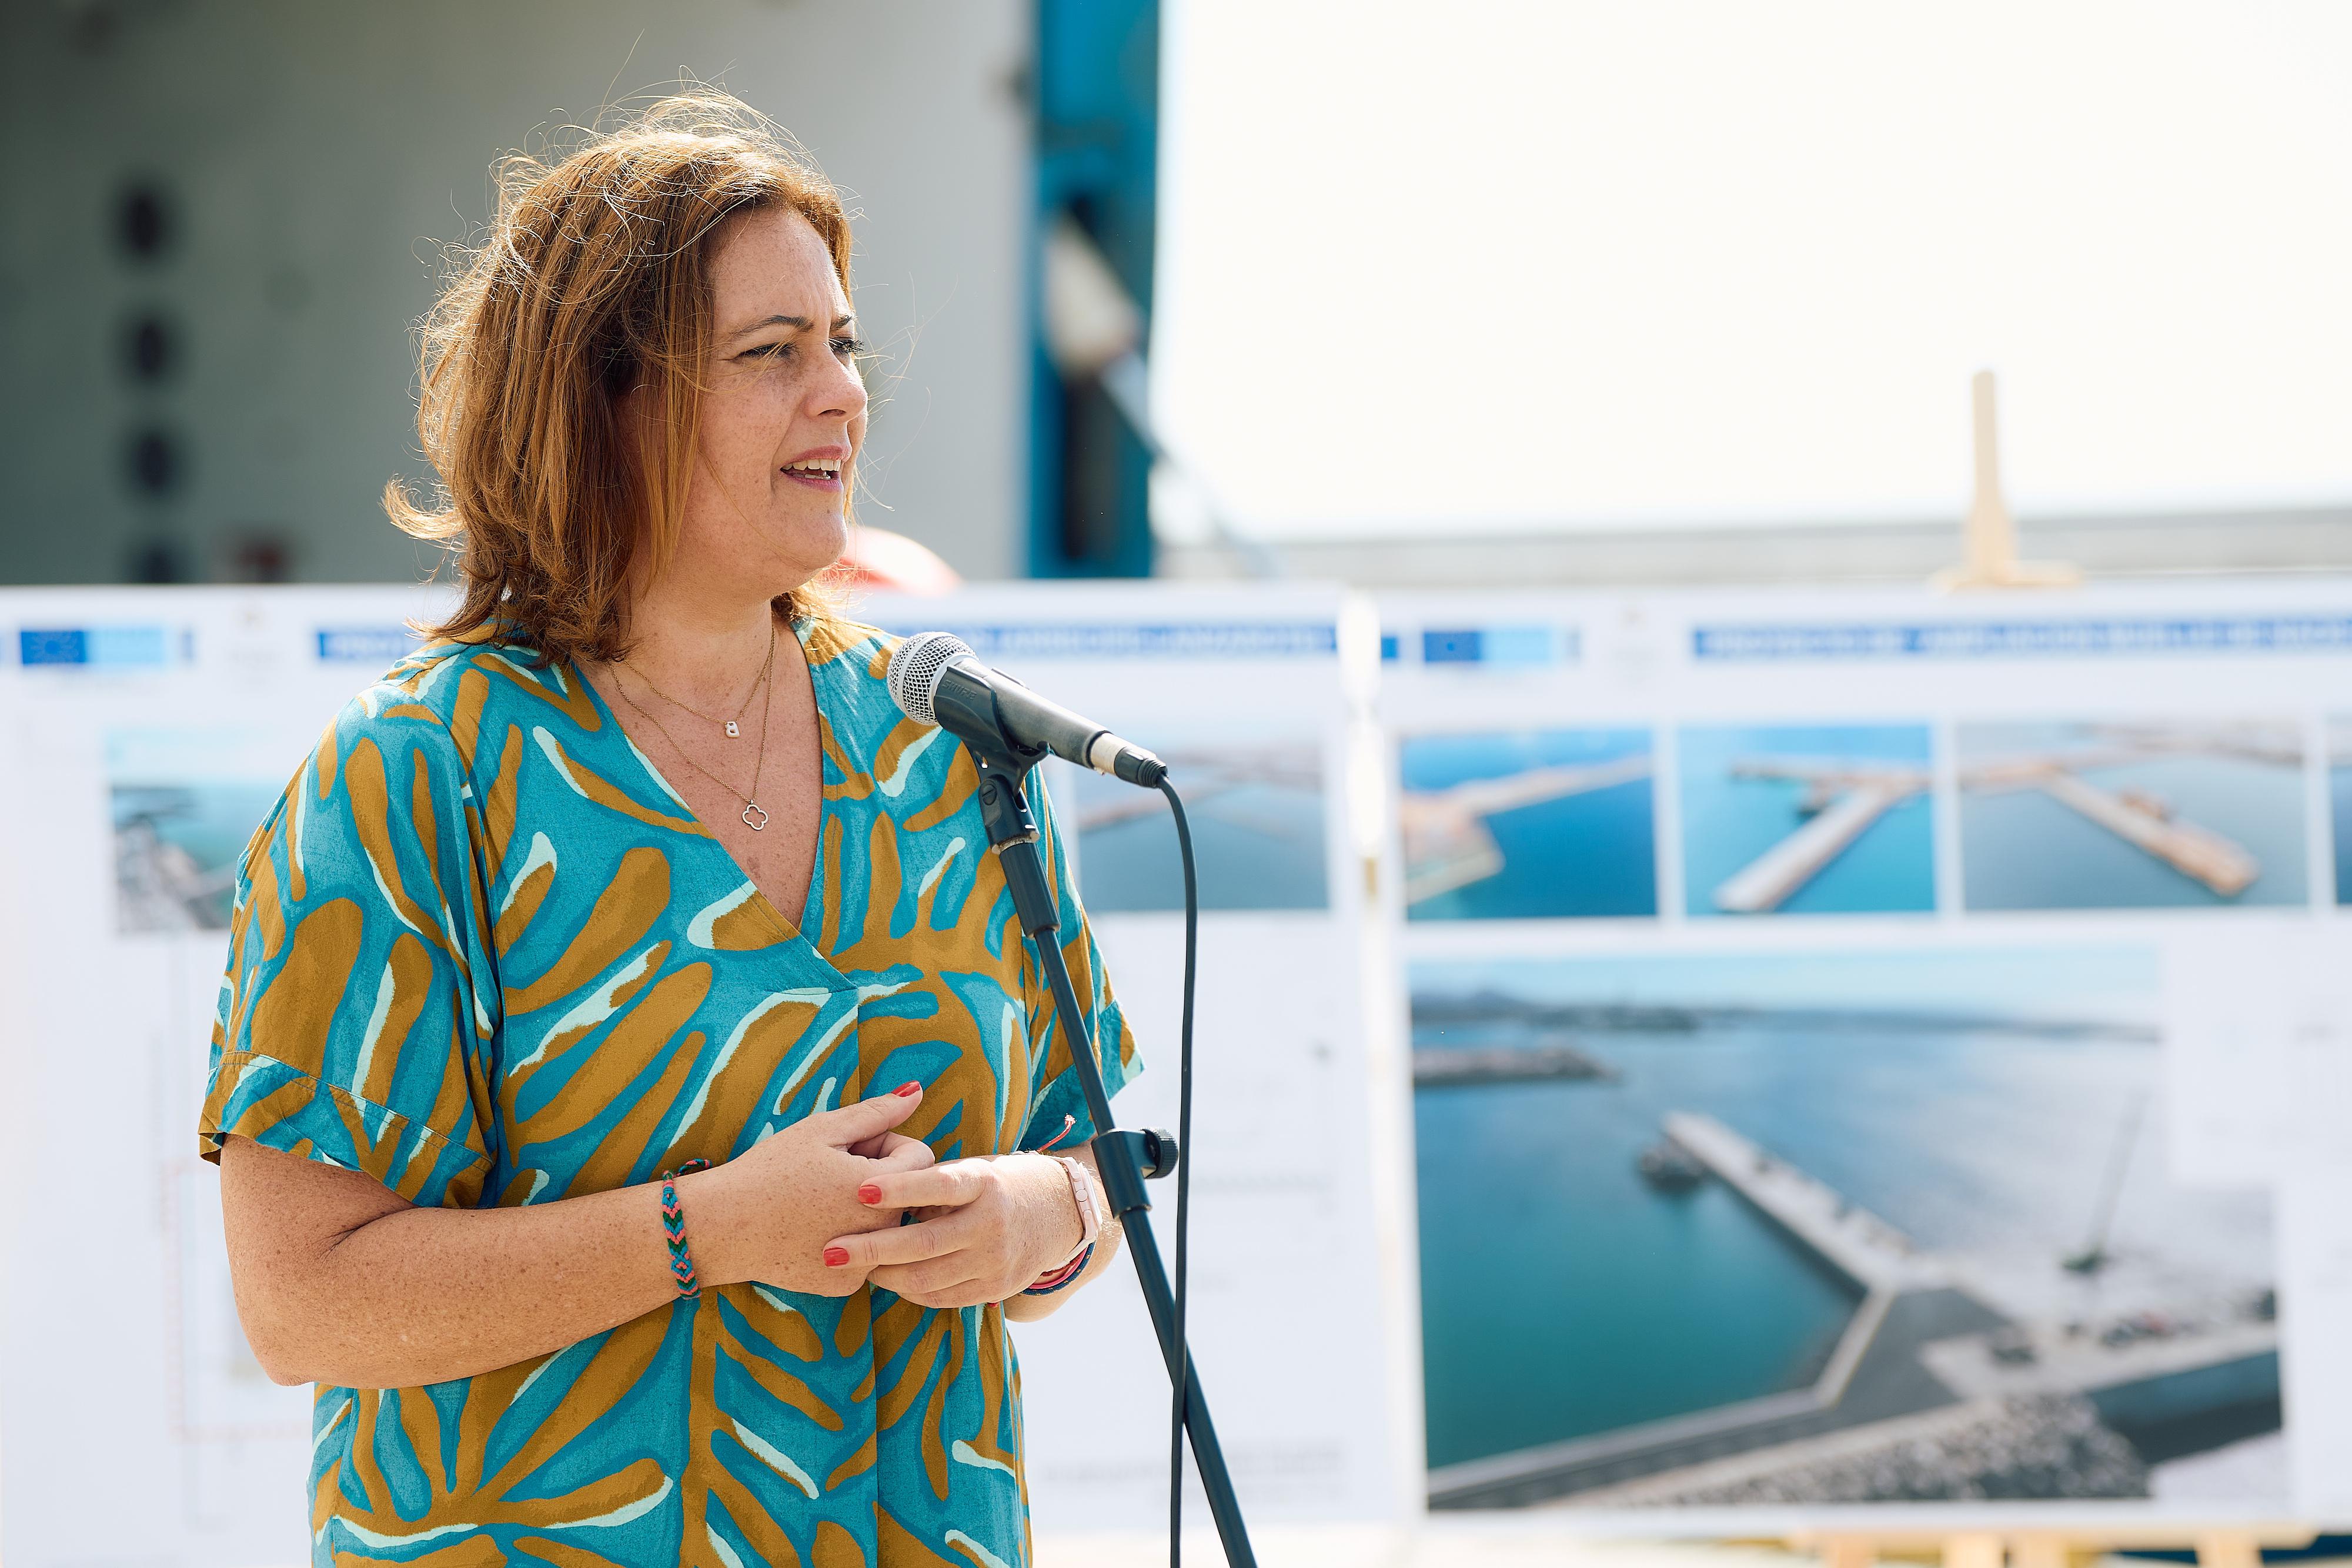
<point>822,474</point>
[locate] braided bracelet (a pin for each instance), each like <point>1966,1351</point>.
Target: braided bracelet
<point>681,1261</point>
<point>1046,1284</point>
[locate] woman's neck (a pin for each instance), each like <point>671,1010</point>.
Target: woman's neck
<point>701,649</point>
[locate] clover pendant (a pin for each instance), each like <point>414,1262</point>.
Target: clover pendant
<point>754,818</point>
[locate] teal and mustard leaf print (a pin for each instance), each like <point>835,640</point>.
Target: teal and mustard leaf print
<point>483,953</point>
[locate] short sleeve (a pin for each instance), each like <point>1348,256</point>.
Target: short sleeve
<point>1053,1090</point>
<point>356,1015</point>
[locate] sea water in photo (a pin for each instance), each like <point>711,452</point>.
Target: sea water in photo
<point>2117,816</point>
<point>1258,820</point>
<point>1529,825</point>
<point>1807,820</point>
<point>1995,1108</point>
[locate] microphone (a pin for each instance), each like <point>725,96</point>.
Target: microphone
<point>937,679</point>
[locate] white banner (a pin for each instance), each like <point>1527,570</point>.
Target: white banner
<point>1855,1038</point>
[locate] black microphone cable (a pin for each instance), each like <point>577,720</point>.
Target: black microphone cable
<point>1183,1372</point>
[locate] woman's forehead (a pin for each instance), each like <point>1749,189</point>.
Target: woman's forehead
<point>773,263</point>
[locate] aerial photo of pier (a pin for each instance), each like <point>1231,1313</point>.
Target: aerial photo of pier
<point>183,805</point>
<point>1733,1231</point>
<point>1820,818</point>
<point>1529,825</point>
<point>2117,816</point>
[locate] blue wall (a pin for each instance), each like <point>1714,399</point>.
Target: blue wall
<point>1097,107</point>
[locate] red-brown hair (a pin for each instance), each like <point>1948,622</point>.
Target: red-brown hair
<point>593,280</point>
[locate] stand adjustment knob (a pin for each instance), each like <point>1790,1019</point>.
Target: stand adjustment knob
<point>1159,1153</point>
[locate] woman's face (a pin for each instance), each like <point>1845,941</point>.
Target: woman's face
<point>784,412</point>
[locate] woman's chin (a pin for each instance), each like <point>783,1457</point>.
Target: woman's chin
<point>804,546</point>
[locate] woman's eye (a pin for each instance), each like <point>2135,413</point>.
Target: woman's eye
<point>849,345</point>
<point>768,351</point>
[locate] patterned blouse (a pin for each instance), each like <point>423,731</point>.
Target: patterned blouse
<point>483,952</point>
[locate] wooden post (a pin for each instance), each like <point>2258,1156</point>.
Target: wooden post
<point>1849,1551</point>
<point>2227,1549</point>
<point>2042,1550</point>
<point>1973,1549</point>
<point>1988,536</point>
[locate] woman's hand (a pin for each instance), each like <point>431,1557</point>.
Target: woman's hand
<point>769,1214</point>
<point>988,1227</point>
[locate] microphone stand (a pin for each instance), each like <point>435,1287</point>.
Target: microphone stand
<point>1125,1158</point>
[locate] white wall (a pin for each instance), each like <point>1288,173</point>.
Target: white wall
<point>322,154</point>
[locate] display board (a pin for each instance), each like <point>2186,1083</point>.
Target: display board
<point>1708,1062</point>
<point>144,735</point>
<point>1878,1049</point>
<point>144,732</point>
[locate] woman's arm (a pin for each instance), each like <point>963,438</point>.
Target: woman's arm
<point>339,1281</point>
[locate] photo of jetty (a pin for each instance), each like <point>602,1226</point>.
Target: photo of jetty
<point>1807,819</point>
<point>1739,1229</point>
<point>2131,815</point>
<point>1256,811</point>
<point>2339,793</point>
<point>1529,825</point>
<point>183,805</point>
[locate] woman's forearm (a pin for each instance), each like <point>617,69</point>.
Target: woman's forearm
<point>414,1296</point>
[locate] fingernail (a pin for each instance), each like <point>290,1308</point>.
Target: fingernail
<point>834,1257</point>
<point>909,1087</point>
<point>870,1193</point>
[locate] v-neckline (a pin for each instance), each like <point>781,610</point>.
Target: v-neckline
<point>812,901</point>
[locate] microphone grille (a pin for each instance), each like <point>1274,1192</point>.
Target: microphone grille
<point>916,668</point>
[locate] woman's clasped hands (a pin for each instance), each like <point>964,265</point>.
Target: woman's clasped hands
<point>980,1230</point>
<point>818,1207</point>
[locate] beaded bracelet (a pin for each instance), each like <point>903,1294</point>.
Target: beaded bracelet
<point>681,1261</point>
<point>1090,1211</point>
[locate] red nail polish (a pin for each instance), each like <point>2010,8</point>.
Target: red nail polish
<point>870,1193</point>
<point>834,1257</point>
<point>909,1087</point>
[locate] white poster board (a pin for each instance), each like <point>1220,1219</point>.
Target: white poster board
<point>1896,1010</point>
<point>143,734</point>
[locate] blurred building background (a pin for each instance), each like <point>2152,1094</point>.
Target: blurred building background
<point>221,221</point>
<point>1541,294</point>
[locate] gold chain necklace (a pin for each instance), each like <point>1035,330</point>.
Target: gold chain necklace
<point>734,732</point>
<point>754,816</point>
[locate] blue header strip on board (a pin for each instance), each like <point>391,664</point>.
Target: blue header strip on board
<point>370,644</point>
<point>1201,641</point>
<point>102,647</point>
<point>1499,647</point>
<point>2117,638</point>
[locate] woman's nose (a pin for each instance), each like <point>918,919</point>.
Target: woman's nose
<point>842,394</point>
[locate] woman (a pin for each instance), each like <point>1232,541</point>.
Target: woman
<point>637,866</point>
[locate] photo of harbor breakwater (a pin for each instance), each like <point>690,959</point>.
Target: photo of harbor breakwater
<point>1807,820</point>
<point>1747,1229</point>
<point>184,804</point>
<point>1529,825</point>
<point>2193,814</point>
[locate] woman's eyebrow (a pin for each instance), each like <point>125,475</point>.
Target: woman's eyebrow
<point>799,323</point>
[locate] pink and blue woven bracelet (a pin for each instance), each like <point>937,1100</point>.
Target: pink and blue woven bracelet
<point>681,1261</point>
